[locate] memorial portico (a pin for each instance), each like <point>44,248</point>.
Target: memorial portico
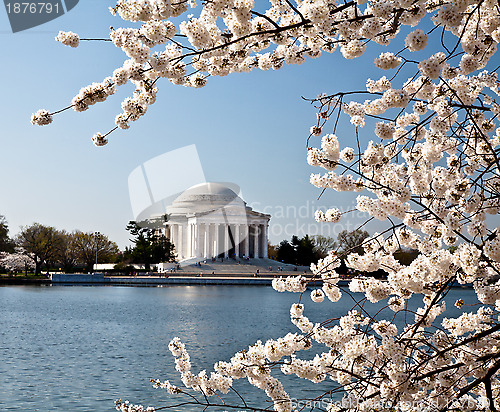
<point>210,220</point>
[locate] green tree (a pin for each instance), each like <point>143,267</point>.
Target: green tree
<point>299,251</point>
<point>41,243</point>
<point>286,252</point>
<point>94,247</point>
<point>150,246</point>
<point>350,242</point>
<point>6,243</point>
<point>305,251</point>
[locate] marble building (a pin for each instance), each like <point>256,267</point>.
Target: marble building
<point>210,220</point>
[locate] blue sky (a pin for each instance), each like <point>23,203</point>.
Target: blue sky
<point>250,129</point>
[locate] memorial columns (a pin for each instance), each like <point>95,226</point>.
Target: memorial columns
<point>181,252</point>
<point>237,240</point>
<point>173,237</point>
<point>226,241</point>
<point>197,239</point>
<point>194,247</point>
<point>217,238</point>
<point>214,239</point>
<point>209,240</point>
<point>264,240</point>
<point>205,241</point>
<point>189,240</point>
<point>246,236</point>
<point>256,241</point>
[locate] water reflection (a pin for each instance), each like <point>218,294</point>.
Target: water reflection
<point>80,348</point>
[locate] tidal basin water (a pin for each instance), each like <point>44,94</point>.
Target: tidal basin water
<point>80,348</point>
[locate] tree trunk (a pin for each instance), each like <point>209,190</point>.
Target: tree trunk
<point>38,265</point>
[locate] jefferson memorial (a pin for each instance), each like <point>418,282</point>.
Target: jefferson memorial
<point>210,220</point>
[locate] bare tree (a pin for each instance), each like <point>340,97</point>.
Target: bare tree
<point>352,241</point>
<point>94,247</point>
<point>323,245</point>
<point>68,253</point>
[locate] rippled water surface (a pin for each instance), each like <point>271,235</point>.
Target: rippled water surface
<point>80,348</point>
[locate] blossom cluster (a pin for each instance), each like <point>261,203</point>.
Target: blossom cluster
<point>129,407</point>
<point>431,171</point>
<point>16,262</point>
<point>252,364</point>
<point>41,117</point>
<point>68,38</point>
<point>331,215</point>
<point>433,174</point>
<point>235,36</point>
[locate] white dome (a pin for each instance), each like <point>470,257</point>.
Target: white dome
<point>204,197</point>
